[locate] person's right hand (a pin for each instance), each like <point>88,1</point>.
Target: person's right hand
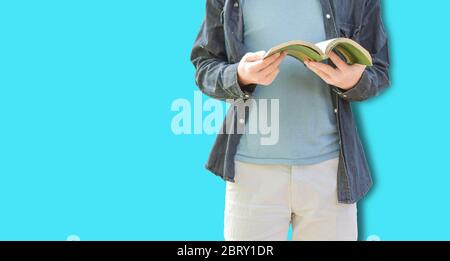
<point>252,69</point>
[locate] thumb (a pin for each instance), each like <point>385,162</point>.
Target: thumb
<point>253,57</point>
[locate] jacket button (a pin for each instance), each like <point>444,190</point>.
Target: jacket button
<point>335,110</point>
<point>241,121</point>
<point>236,4</point>
<point>328,16</point>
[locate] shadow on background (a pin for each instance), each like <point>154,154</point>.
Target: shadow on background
<point>362,231</point>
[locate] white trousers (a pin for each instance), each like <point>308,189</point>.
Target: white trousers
<point>266,199</point>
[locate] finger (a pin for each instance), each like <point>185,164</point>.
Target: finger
<point>323,67</point>
<point>253,57</point>
<point>341,65</point>
<point>358,67</point>
<point>270,77</point>
<point>274,66</point>
<point>269,60</point>
<point>323,75</point>
<point>261,64</point>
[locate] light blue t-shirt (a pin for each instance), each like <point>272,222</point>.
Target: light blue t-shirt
<point>307,123</point>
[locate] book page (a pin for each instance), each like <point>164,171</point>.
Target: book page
<point>299,49</point>
<point>348,48</point>
<point>324,45</point>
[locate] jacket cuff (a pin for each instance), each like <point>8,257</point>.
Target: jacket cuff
<point>231,83</point>
<point>357,92</point>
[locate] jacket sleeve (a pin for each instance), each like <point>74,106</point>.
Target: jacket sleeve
<point>214,75</point>
<point>372,36</point>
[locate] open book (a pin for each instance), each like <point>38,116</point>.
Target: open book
<point>350,50</point>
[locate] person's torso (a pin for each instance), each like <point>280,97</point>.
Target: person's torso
<point>307,124</point>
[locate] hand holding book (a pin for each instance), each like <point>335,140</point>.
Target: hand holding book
<point>344,76</point>
<point>254,69</point>
<point>262,68</point>
<point>348,70</point>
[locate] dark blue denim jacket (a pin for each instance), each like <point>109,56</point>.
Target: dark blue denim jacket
<point>220,46</point>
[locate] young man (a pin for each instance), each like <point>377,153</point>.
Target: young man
<point>317,171</point>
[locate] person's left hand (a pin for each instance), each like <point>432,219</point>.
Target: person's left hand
<point>344,76</point>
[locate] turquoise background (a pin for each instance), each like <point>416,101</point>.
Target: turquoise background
<point>86,146</point>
